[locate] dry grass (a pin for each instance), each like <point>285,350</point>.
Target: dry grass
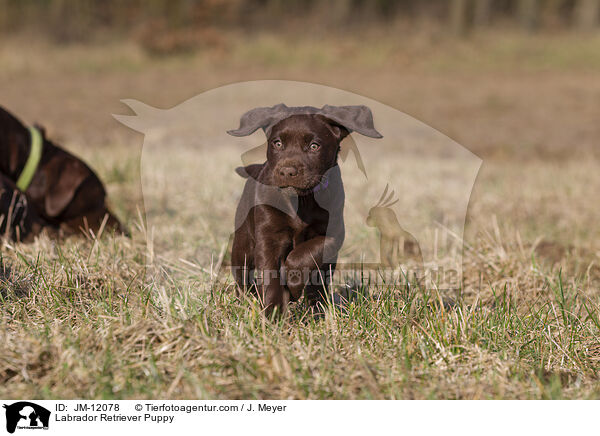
<point>90,319</point>
<point>94,325</point>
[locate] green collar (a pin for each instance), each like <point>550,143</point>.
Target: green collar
<point>32,161</point>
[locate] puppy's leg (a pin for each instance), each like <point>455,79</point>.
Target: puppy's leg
<point>270,252</point>
<point>242,260</point>
<point>307,257</point>
<point>317,289</point>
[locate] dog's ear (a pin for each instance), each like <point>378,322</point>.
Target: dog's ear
<point>249,171</point>
<point>339,131</point>
<point>354,118</point>
<point>63,186</point>
<point>260,118</point>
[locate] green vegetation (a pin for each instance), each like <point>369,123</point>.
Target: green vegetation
<point>87,318</point>
<point>95,326</point>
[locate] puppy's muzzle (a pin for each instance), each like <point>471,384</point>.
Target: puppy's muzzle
<point>290,173</point>
<point>286,172</point>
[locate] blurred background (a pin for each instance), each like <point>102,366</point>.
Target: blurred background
<point>515,81</point>
<point>164,26</point>
<point>466,67</point>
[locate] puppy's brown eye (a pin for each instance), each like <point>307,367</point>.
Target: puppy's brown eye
<point>314,146</point>
<point>277,144</point>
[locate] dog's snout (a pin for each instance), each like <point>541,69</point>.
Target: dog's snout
<point>288,171</point>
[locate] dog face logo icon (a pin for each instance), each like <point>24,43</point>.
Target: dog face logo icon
<point>26,415</point>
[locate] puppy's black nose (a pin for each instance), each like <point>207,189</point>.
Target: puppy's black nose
<point>288,171</point>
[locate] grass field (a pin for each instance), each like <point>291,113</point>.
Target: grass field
<point>92,318</point>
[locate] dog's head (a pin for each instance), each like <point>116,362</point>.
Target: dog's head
<point>304,142</point>
<point>301,148</point>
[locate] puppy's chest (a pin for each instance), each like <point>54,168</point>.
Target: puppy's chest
<point>308,223</point>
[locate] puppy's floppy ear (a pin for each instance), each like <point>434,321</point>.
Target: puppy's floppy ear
<point>249,171</point>
<point>260,118</point>
<point>338,130</point>
<point>63,186</point>
<point>354,118</point>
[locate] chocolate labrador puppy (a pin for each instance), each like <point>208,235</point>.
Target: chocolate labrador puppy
<point>62,191</point>
<point>289,222</point>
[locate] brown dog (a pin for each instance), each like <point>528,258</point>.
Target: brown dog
<point>289,222</point>
<point>64,192</point>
